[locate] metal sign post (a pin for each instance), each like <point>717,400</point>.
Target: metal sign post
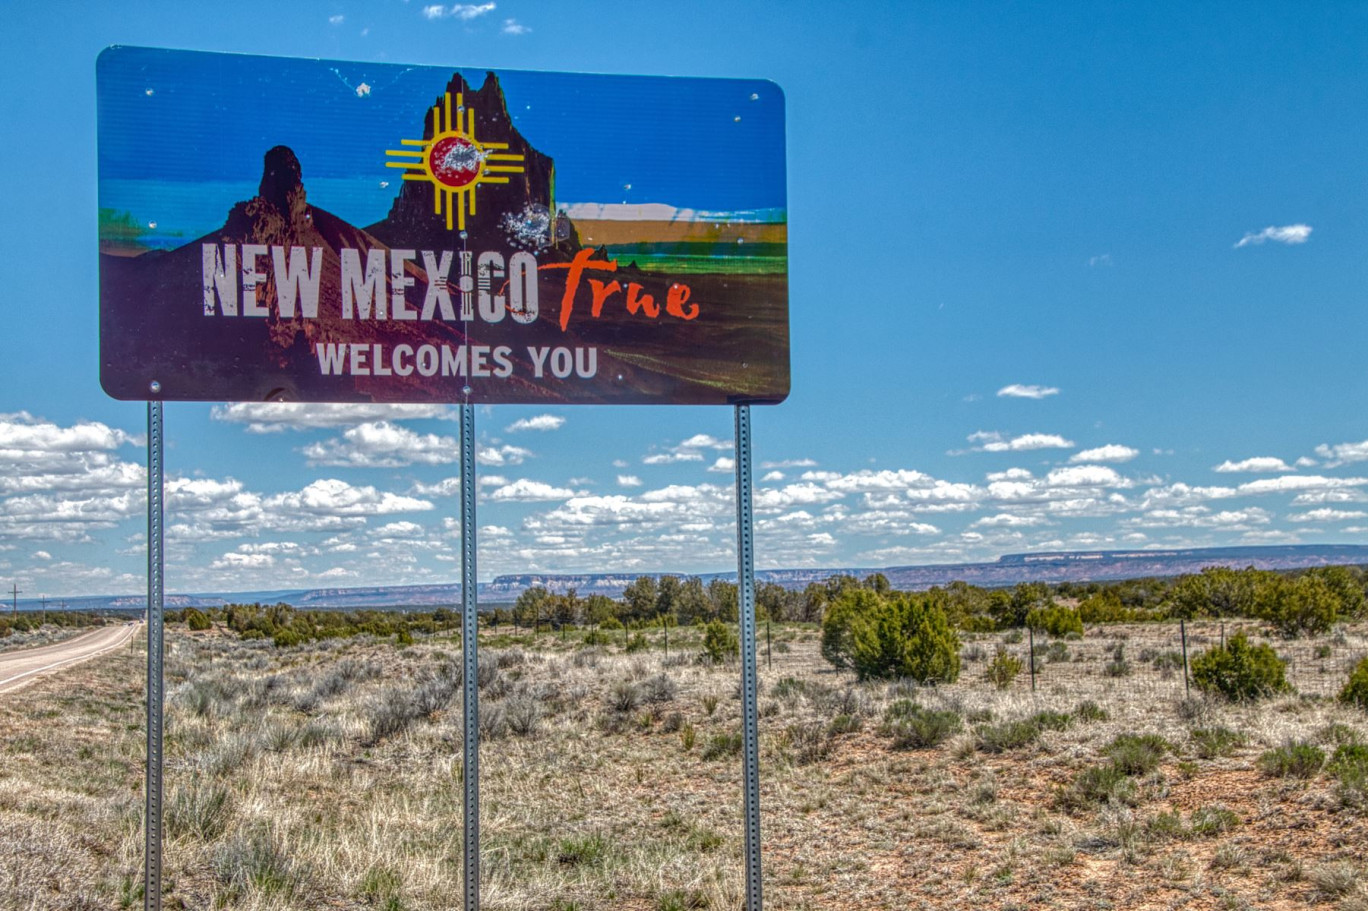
<point>153,819</point>
<point>470,661</point>
<point>745,576</point>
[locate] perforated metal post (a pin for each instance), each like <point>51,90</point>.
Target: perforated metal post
<point>470,661</point>
<point>745,577</point>
<point>153,820</point>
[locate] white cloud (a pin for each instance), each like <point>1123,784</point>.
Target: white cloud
<point>790,463</point>
<point>772,476</point>
<point>1256,463</point>
<point>1293,482</point>
<point>1328,515</point>
<point>23,436</point>
<point>669,458</point>
<point>540,422</point>
<point>383,445</point>
<point>723,464</point>
<point>1287,234</point>
<point>1101,260</point>
<point>502,455</point>
<point>1008,520</point>
<point>275,417</point>
<point>1342,453</point>
<point>329,496</point>
<point>401,529</point>
<point>514,27</point>
<point>1018,391</point>
<point>628,480</point>
<point>336,20</point>
<point>993,441</point>
<point>243,561</point>
<point>1111,452</point>
<point>1085,476</point>
<point>524,490</point>
<point>463,11</point>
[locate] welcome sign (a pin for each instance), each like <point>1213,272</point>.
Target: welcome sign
<point>307,230</point>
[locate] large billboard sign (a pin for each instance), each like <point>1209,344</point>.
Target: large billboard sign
<point>314,230</point>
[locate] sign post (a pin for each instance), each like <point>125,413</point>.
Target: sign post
<point>155,677</point>
<point>745,579</point>
<point>376,233</point>
<point>470,662</point>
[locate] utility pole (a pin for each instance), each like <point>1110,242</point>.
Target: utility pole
<point>14,594</point>
<point>43,622</point>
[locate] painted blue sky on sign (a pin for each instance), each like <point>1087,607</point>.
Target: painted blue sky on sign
<point>175,122</point>
<point>1072,275</point>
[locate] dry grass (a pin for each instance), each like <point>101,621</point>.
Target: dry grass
<point>329,776</point>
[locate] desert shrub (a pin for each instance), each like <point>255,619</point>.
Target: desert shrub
<point>523,713</point>
<point>1305,605</point>
<point>1097,785</point>
<point>811,742</point>
<point>1240,671</point>
<point>1137,754</point>
<point>658,689</point>
<point>582,850</point>
<point>838,638</point>
<point>1355,690</point>
<point>1118,666</point>
<point>493,722</point>
<point>915,728</point>
<point>637,642</point>
<point>1003,669</point>
<point>1055,621</point>
<point>1057,652</point>
<point>722,746</point>
<point>845,724</point>
<point>1216,741</point>
<point>1009,735</point>
<point>1047,720</point>
<point>904,636</point>
<point>201,810</point>
<point>196,620</point>
<point>1088,711</point>
<point>1211,820</point>
<point>1297,759</point>
<point>1349,766</point>
<point>433,695</point>
<point>624,697</point>
<point>392,713</point>
<point>257,861</point>
<point>719,642</point>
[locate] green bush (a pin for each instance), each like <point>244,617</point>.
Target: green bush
<point>1355,690</point>
<point>1095,785</point>
<point>903,636</point>
<point>1010,735</point>
<point>915,728</point>
<point>1137,754</point>
<point>719,642</point>
<point>838,624</point>
<point>196,620</point>
<point>1055,621</point>
<point>1003,669</point>
<point>1306,605</point>
<point>1293,760</point>
<point>1088,710</point>
<point>1218,741</point>
<point>1240,671</point>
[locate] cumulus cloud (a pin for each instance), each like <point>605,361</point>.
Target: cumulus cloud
<point>276,417</point>
<point>723,464</point>
<point>330,496</point>
<point>1287,234</point>
<point>993,441</point>
<point>790,463</point>
<point>524,490</point>
<point>1019,391</point>
<point>1111,452</point>
<point>1328,515</point>
<point>540,422</point>
<point>501,455</point>
<point>1342,453</point>
<point>628,480</point>
<point>383,445</point>
<point>1256,463</point>
<point>514,27</point>
<point>22,436</point>
<point>1294,482</point>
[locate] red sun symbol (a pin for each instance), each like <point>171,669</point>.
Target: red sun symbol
<point>454,161</point>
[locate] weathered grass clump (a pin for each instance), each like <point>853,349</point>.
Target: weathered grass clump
<point>1297,759</point>
<point>1355,690</point>
<point>1213,742</point>
<point>913,727</point>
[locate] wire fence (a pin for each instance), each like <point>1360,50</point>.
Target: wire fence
<point>1152,658</point>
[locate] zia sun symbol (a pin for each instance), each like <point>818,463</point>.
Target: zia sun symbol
<point>454,162</point>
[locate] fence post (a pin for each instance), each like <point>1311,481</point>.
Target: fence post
<point>1030,658</point>
<point>1182,631</point>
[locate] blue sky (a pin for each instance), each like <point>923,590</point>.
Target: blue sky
<point>1062,276</point>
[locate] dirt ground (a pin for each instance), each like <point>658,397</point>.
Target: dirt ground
<point>329,776</point>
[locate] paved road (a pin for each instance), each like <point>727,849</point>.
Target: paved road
<point>20,667</point>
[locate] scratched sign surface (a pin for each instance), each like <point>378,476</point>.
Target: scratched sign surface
<point>324,231</point>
